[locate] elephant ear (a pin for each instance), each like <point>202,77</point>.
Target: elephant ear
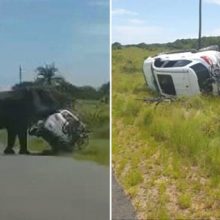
<point>44,104</point>
<point>13,103</point>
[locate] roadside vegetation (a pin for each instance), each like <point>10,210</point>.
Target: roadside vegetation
<point>96,116</point>
<point>179,44</point>
<point>166,156</point>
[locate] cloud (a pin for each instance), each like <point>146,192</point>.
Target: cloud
<point>122,11</point>
<point>213,1</point>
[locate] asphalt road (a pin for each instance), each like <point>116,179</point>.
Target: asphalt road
<point>122,208</point>
<point>52,188</point>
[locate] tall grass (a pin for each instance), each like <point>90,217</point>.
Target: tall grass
<point>189,127</point>
<point>96,116</point>
<point>162,140</point>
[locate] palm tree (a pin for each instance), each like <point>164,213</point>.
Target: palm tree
<point>200,23</point>
<point>47,74</point>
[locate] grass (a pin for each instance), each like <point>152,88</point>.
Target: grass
<point>133,177</point>
<point>96,116</point>
<point>184,201</point>
<point>174,147</point>
<point>98,151</point>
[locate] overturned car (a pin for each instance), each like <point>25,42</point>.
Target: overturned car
<point>62,130</point>
<point>184,73</point>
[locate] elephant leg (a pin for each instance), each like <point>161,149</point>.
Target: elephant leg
<point>22,136</point>
<point>11,141</point>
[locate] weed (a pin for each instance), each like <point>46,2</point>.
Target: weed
<point>184,201</point>
<point>133,177</point>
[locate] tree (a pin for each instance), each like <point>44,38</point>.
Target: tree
<point>104,90</point>
<point>23,85</point>
<point>116,46</point>
<point>47,74</point>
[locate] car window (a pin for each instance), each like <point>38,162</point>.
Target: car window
<point>171,63</point>
<point>166,84</point>
<point>203,75</point>
<point>181,63</point>
<point>158,62</point>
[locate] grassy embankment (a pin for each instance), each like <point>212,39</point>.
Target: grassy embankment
<point>96,116</point>
<point>166,157</point>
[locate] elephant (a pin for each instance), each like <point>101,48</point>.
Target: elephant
<point>19,109</point>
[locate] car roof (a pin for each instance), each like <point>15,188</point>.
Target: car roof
<point>190,56</point>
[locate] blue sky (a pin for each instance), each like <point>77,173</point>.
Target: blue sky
<point>73,34</point>
<point>160,21</point>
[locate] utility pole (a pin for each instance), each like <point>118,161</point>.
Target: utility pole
<point>20,74</point>
<point>200,24</point>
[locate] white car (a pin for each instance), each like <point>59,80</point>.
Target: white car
<point>62,130</point>
<point>183,74</point>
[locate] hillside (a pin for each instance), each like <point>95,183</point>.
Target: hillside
<point>167,157</point>
<point>180,44</point>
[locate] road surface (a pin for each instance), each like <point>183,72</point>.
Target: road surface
<point>121,206</point>
<point>52,188</point>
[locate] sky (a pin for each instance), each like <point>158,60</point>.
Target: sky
<point>162,21</point>
<point>72,34</point>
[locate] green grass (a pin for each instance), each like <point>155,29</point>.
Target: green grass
<point>177,143</point>
<point>98,151</point>
<point>184,201</point>
<point>94,113</point>
<point>133,177</point>
<point>37,144</point>
<point>96,116</point>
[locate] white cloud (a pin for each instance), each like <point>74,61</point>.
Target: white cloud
<point>122,11</point>
<point>213,1</point>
